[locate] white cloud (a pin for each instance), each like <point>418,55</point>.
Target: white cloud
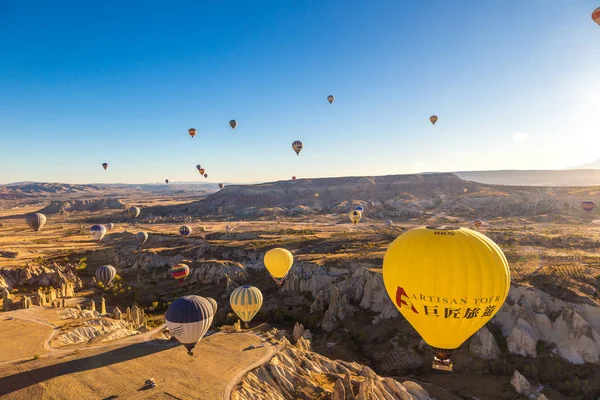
<point>520,137</point>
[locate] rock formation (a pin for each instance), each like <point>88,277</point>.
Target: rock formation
<point>483,345</point>
<point>520,383</point>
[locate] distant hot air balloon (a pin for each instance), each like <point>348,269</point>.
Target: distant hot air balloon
<point>433,119</point>
<point>167,181</point>
<point>370,205</point>
<point>461,281</point>
<point>35,221</point>
<point>246,302</point>
<point>98,232</point>
<point>104,165</point>
<point>588,205</point>
<point>220,186</point>
<point>206,175</point>
<point>198,167</point>
<point>297,146</point>
<point>110,226</point>
<point>330,98</point>
<point>355,216</point>
<point>105,274</point>
<point>141,237</point>
<point>465,190</point>
<point>359,208</point>
<point>278,262</point>
<point>389,223</point>
<point>188,318</point>
<point>213,303</point>
<point>192,132</point>
<point>180,272</point>
<point>293,178</point>
<point>134,212</point>
<point>596,15</point>
<point>201,170</point>
<point>233,123</point>
<point>185,231</point>
<point>477,223</point>
<point>316,194</point>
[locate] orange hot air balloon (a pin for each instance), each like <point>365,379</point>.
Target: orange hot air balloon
<point>596,15</point>
<point>192,132</point>
<point>201,170</point>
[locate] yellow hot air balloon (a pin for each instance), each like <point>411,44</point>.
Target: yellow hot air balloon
<point>355,216</point>
<point>278,262</point>
<point>433,119</point>
<point>447,282</point>
<point>246,301</point>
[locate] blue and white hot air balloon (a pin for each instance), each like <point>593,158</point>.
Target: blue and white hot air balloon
<point>189,317</point>
<point>185,231</point>
<point>105,274</point>
<point>98,232</point>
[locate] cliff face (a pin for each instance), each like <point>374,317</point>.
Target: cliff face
<point>393,196</point>
<point>297,373</point>
<point>82,205</point>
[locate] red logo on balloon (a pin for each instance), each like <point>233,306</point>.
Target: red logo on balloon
<point>402,300</point>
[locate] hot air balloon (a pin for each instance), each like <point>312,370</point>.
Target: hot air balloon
<point>477,223</point>
<point>201,170</point>
<point>185,231</point>
<point>105,166</point>
<point>330,98</point>
<point>461,281</point>
<point>596,15</point>
<point>355,216</point>
<point>167,181</point>
<point>141,237</point>
<point>180,272</point>
<point>98,232</point>
<point>359,208</point>
<point>233,123</point>
<point>198,167</point>
<point>316,194</point>
<point>433,119</point>
<point>389,223</point>
<point>110,226</point>
<point>297,146</point>
<point>370,205</point>
<point>105,274</point>
<point>588,205</point>
<point>188,318</point>
<point>220,186</point>
<point>206,175</point>
<point>293,178</point>
<point>278,262</point>
<point>134,212</point>
<point>213,303</point>
<point>246,301</point>
<point>192,132</point>
<point>465,190</point>
<point>35,221</point>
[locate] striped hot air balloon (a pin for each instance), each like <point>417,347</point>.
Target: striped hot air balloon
<point>180,272</point>
<point>477,223</point>
<point>246,302</point>
<point>297,146</point>
<point>105,274</point>
<point>192,132</point>
<point>188,318</point>
<point>185,231</point>
<point>35,221</point>
<point>588,205</point>
<point>97,232</point>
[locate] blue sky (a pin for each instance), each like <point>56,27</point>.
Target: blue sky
<point>515,85</point>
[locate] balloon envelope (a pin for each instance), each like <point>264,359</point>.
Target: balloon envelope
<point>433,119</point>
<point>185,231</point>
<point>233,123</point>
<point>188,318</point>
<point>588,205</point>
<point>330,98</point>
<point>104,165</point>
<point>201,170</point>
<point>192,132</point>
<point>141,237</point>
<point>105,274</point>
<point>110,226</point>
<point>35,221</point>
<point>596,15</point>
<point>447,282</point>
<point>477,223</point>
<point>355,216</point>
<point>220,186</point>
<point>98,232</point>
<point>359,208</point>
<point>246,301</point>
<point>297,146</point>
<point>134,212</point>
<point>180,272</point>
<point>278,262</point>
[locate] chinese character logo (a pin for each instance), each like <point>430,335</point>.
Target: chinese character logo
<point>402,300</point>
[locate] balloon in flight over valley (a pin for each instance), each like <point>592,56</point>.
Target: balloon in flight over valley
<point>110,226</point>
<point>355,216</point>
<point>188,318</point>
<point>98,232</point>
<point>588,205</point>
<point>278,262</point>
<point>462,280</point>
<point>167,181</point>
<point>246,302</point>
<point>297,146</point>
<point>477,223</point>
<point>35,221</point>
<point>134,212</point>
<point>105,274</point>
<point>220,186</point>
<point>359,208</point>
<point>180,272</point>
<point>185,231</point>
<point>141,237</point>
